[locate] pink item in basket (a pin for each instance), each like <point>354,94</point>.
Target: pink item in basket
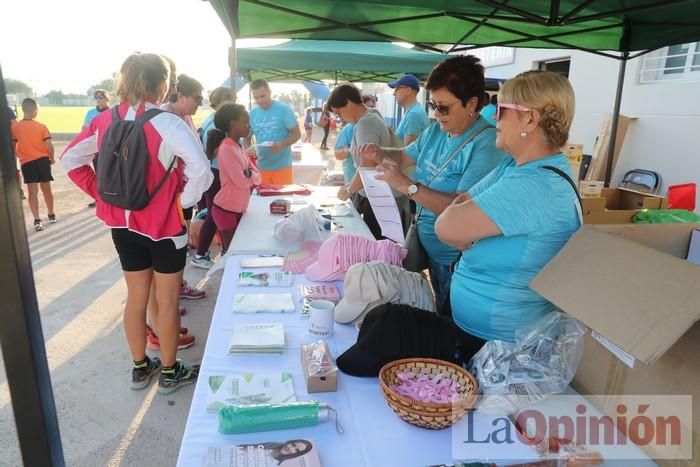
<point>439,389</point>
<point>341,251</point>
<point>296,262</point>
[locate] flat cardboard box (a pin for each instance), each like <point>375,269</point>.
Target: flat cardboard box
<point>315,383</point>
<point>632,285</point>
<point>618,206</point>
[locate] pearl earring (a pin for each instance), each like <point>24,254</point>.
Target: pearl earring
<point>471,114</point>
<point>523,134</point>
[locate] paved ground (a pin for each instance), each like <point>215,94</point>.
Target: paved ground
<point>81,296</point>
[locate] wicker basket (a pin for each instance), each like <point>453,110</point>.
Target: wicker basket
<point>427,414</point>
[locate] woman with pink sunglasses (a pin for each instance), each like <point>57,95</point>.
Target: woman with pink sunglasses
<point>512,223</point>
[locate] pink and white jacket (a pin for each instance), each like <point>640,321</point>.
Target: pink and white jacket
<point>167,137</point>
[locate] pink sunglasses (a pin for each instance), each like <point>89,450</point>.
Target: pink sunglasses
<point>518,107</point>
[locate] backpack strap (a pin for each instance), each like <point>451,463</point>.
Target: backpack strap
<point>162,180</point>
<point>565,176</point>
<point>140,121</point>
<point>147,115</point>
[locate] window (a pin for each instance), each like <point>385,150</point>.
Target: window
<point>560,65</point>
<point>675,62</point>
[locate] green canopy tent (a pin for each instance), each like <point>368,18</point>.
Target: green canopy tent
<point>612,28</point>
<point>309,60</point>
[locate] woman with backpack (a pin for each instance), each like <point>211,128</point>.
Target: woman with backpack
<point>150,239</point>
<point>237,173</point>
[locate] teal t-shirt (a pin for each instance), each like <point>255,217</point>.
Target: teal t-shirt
<point>92,113</point>
<point>476,159</point>
<point>272,125</point>
<point>413,122</point>
<point>536,211</point>
<point>488,113</point>
<point>344,140</point>
<point>208,124</point>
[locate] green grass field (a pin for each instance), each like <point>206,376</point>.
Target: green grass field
<point>70,119</point>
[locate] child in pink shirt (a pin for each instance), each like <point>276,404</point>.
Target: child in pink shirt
<point>238,175</point>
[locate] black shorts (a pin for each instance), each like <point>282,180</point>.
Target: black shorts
<point>138,253</point>
<point>187,213</point>
<point>37,171</point>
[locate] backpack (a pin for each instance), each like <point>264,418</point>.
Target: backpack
<point>124,163</point>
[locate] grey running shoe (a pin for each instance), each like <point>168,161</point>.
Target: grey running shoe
<point>38,226</point>
<point>141,377</point>
<point>183,376</point>
<point>202,262</point>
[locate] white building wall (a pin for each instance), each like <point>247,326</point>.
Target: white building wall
<point>665,137</point>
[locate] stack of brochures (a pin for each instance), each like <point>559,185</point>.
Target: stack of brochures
<point>266,279</point>
<point>257,338</point>
<point>263,302</point>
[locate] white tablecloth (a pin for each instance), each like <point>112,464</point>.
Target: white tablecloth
<point>254,235</point>
<point>311,168</point>
<point>374,435</point>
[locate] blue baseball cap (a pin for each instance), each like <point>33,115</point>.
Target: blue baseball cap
<point>409,81</point>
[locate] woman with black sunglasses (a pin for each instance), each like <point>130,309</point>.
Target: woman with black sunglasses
<point>450,156</point>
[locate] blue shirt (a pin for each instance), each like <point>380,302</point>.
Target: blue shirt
<point>536,211</point>
<point>344,140</point>
<point>92,113</point>
<point>272,125</point>
<point>476,159</point>
<point>208,124</point>
<point>488,113</point>
<point>413,122</point>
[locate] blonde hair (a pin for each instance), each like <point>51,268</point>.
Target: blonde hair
<point>141,77</point>
<point>550,94</point>
<point>220,96</point>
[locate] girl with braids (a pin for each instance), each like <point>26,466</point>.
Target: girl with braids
<point>236,172</point>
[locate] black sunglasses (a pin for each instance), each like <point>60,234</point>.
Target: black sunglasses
<point>441,109</point>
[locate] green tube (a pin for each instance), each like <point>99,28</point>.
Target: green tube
<point>269,417</point>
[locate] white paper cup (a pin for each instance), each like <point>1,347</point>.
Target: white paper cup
<point>321,317</point>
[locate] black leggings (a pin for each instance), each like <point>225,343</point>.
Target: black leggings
<point>391,332</point>
<point>326,129</point>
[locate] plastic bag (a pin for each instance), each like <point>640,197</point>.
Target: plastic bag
<point>304,225</point>
<point>318,359</point>
<point>665,216</point>
<point>542,361</point>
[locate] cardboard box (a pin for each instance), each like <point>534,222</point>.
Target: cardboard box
<point>618,206</point>
<point>632,286</point>
<point>574,153</point>
<point>599,162</point>
<point>316,383</point>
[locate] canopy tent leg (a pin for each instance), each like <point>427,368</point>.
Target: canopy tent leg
<point>21,336</point>
<point>616,117</point>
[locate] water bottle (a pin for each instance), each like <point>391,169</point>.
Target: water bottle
<point>273,417</point>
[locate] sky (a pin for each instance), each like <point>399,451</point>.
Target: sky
<point>73,44</point>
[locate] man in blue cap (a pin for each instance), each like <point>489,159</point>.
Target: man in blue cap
<point>414,120</point>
